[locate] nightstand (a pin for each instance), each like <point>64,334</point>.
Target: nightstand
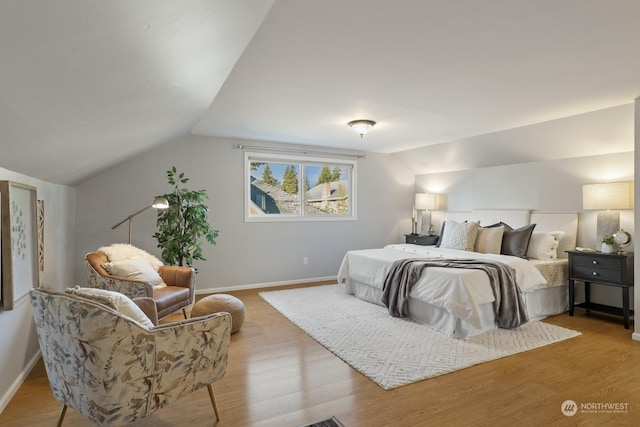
<point>421,239</point>
<point>602,269</point>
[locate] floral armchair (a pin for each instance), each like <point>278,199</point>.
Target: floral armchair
<point>178,293</point>
<point>115,370</point>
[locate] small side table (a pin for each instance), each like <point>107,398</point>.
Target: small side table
<point>421,239</point>
<point>602,269</point>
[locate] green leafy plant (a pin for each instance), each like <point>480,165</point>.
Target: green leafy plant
<point>183,226</point>
<point>607,240</point>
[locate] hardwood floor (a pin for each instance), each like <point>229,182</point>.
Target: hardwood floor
<point>279,376</point>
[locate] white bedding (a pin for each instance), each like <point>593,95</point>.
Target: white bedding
<point>459,302</point>
<point>459,292</point>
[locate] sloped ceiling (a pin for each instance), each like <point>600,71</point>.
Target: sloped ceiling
<point>85,85</point>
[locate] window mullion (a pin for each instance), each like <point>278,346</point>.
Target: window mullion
<point>302,190</point>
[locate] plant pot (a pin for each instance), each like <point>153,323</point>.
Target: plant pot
<point>606,248</point>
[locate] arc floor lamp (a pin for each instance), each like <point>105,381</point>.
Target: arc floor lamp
<point>158,203</point>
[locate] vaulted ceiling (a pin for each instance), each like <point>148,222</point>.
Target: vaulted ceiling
<point>85,85</point>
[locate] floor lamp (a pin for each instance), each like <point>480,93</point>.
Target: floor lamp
<point>158,203</point>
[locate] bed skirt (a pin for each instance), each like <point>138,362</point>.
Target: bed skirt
<point>539,304</point>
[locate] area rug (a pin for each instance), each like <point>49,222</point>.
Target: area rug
<point>393,352</point>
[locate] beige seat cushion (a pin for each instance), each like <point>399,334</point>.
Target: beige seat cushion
<point>169,299</point>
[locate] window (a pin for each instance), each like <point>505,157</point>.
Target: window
<point>282,187</point>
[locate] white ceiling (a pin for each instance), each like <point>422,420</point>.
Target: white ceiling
<point>85,85</point>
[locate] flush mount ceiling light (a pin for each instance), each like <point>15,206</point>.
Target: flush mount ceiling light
<point>361,126</point>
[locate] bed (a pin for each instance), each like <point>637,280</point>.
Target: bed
<point>460,302</point>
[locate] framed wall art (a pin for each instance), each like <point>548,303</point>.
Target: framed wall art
<point>19,233</point>
<point>41,234</point>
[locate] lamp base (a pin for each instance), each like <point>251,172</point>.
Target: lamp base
<point>608,223</point>
<point>426,228</point>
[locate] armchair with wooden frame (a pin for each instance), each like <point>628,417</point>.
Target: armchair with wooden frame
<point>177,295</point>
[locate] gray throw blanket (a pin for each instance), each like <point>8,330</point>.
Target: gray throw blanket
<point>508,305</point>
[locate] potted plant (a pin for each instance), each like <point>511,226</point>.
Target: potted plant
<point>183,226</point>
<point>607,244</point>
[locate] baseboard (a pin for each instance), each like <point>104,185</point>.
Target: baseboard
<point>4,401</point>
<point>635,336</point>
<point>262,285</point>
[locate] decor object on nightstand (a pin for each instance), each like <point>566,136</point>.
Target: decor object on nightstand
<point>414,222</point>
<point>608,198</point>
<point>622,239</point>
<point>607,244</point>
<point>183,225</point>
<point>158,203</point>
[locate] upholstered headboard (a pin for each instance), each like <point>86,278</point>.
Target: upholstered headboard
<point>515,218</point>
<point>567,222</point>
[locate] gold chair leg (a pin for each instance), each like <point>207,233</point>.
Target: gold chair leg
<point>62,413</point>
<point>213,401</point>
<point>184,312</point>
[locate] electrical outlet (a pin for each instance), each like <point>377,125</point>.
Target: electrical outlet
<point>305,261</point>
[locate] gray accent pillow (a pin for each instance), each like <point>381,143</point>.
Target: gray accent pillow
<point>515,242</point>
<point>440,235</point>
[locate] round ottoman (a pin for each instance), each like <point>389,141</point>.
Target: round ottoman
<point>221,302</point>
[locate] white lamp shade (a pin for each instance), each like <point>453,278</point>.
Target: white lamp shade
<point>425,201</point>
<point>609,195</point>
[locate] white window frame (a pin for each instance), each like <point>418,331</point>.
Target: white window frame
<point>250,156</point>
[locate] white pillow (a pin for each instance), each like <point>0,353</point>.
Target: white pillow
<point>461,236</point>
<point>122,251</point>
<point>135,268</point>
<point>115,300</point>
<point>544,245</point>
<point>489,240</point>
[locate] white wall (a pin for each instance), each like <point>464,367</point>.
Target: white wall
<point>246,254</point>
<point>554,185</point>
<point>18,341</point>
<point>597,132</point>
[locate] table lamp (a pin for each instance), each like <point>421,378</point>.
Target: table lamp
<point>608,198</point>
